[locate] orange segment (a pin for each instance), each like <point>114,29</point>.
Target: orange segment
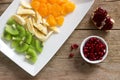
<point>67,8</point>
<point>56,10</point>
<point>61,1</point>
<point>43,10</point>
<point>51,20</point>
<point>52,1</point>
<point>35,4</point>
<point>42,1</point>
<point>60,20</point>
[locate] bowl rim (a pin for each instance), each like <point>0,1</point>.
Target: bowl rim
<point>82,54</point>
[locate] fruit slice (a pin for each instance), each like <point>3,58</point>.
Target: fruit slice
<point>19,19</point>
<point>22,47</point>
<point>7,36</point>
<point>25,4</point>
<point>21,30</point>
<point>11,29</point>
<point>16,38</point>
<point>11,21</point>
<point>31,55</point>
<point>28,37</point>
<point>60,20</point>
<point>15,43</point>
<point>39,46</point>
<point>51,20</point>
<point>41,28</point>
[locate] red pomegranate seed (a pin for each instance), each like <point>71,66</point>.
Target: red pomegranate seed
<point>94,49</point>
<point>74,46</point>
<point>71,55</point>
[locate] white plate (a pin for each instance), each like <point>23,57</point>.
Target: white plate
<point>52,45</point>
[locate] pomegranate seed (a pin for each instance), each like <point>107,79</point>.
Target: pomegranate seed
<point>74,46</point>
<point>71,55</point>
<point>94,49</point>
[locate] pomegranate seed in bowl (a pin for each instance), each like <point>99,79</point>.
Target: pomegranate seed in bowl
<point>94,49</point>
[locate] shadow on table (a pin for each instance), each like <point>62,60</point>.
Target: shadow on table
<point>84,67</point>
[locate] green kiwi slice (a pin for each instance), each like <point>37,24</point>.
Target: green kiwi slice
<point>39,45</point>
<point>31,55</point>
<point>21,30</point>
<point>11,29</point>
<point>15,43</point>
<point>11,21</point>
<point>21,47</point>
<point>7,36</point>
<point>28,37</point>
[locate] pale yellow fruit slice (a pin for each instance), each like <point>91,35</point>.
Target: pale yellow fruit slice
<point>44,22</point>
<point>55,29</point>
<point>38,18</point>
<point>49,34</point>
<point>19,19</point>
<point>39,35</point>
<point>22,11</point>
<point>30,25</point>
<point>41,28</point>
<point>26,4</point>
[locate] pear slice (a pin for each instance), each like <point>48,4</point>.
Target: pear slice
<point>30,25</point>
<point>11,29</point>
<point>26,4</point>
<point>55,29</point>
<point>23,11</point>
<point>39,35</point>
<point>31,55</point>
<point>19,19</point>
<point>41,28</point>
<point>38,18</point>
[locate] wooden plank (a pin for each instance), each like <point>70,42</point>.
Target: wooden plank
<point>6,1</point>
<point>3,7</point>
<point>63,68</point>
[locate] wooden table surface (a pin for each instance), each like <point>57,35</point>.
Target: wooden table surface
<point>60,66</point>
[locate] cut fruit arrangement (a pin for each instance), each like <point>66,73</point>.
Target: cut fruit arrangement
<point>30,27</point>
<point>22,40</point>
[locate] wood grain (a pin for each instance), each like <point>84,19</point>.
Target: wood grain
<point>60,66</point>
<point>6,1</point>
<point>3,7</point>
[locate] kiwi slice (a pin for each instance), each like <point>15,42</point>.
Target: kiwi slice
<point>28,37</point>
<point>39,45</point>
<point>11,21</point>
<point>11,29</point>
<point>31,55</point>
<point>7,36</point>
<point>21,30</point>
<point>16,38</point>
<point>21,47</point>
<point>15,43</point>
